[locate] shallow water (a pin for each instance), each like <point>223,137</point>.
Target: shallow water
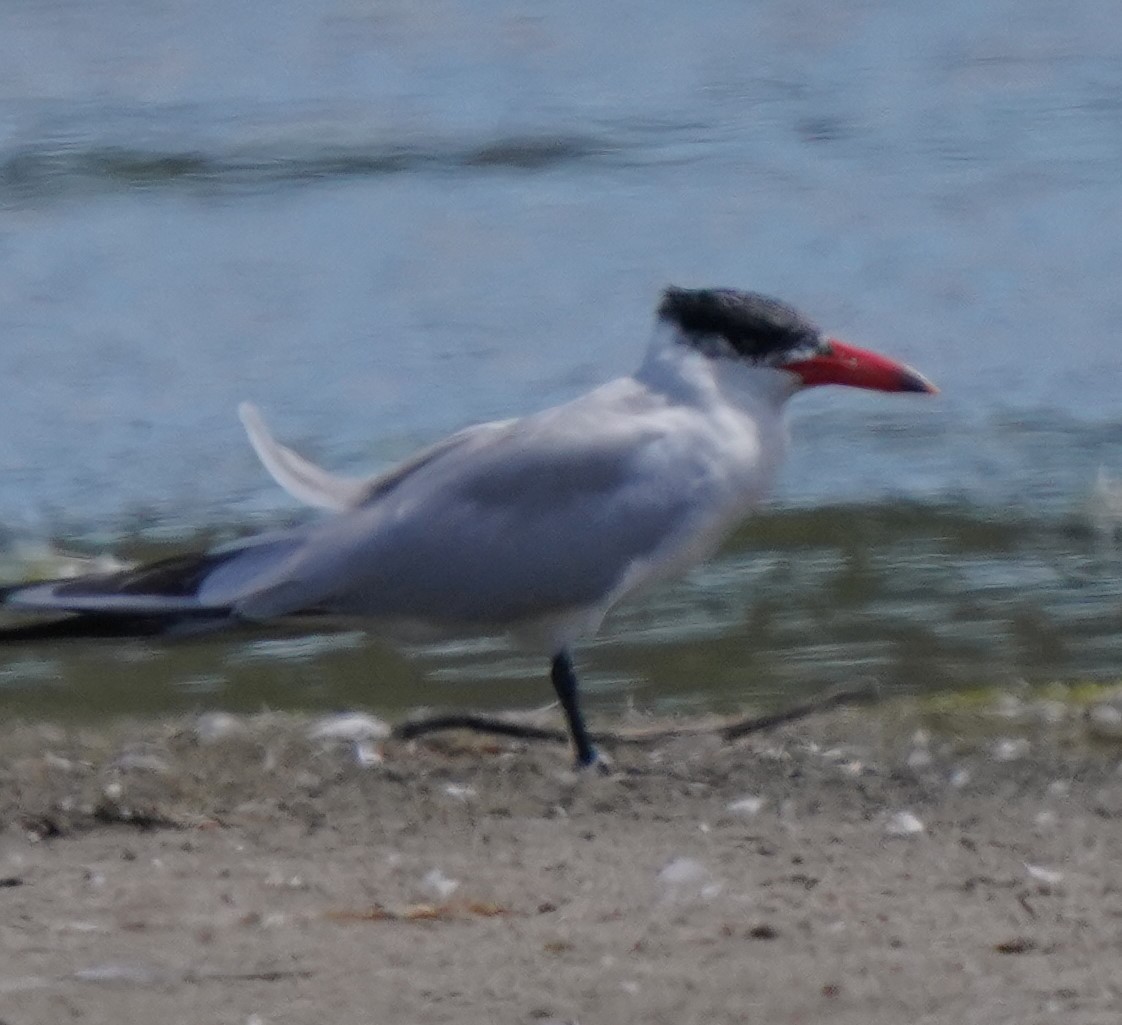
<point>383,221</point>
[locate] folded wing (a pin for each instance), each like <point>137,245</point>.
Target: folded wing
<point>496,525</point>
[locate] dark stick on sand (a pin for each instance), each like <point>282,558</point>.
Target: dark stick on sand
<point>742,727</point>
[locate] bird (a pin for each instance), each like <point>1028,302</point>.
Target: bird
<point>533,527</point>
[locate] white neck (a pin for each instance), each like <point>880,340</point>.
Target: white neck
<point>677,368</point>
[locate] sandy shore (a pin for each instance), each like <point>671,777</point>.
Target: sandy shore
<point>846,868</point>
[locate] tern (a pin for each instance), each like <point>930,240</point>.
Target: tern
<point>533,527</point>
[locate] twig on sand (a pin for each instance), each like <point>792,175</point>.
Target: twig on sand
<point>412,728</point>
<point>835,697</point>
<point>728,730</point>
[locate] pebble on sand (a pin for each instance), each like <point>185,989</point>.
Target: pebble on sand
<point>1105,721</point>
<point>437,883</point>
<point>214,727</point>
<point>746,805</point>
<point>350,727</point>
<point>681,871</point>
<point>903,823</point>
<point>1010,749</point>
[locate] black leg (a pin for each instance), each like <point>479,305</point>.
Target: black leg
<point>565,683</point>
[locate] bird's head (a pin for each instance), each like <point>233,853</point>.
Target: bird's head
<point>724,323</point>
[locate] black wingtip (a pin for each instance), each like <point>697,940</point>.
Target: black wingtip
<point>79,627</point>
<point>110,626</point>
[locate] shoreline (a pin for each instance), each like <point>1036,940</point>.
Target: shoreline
<point>862,865</point>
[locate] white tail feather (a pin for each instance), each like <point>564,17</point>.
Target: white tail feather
<point>302,479</point>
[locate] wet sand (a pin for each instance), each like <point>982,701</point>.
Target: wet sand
<point>860,866</point>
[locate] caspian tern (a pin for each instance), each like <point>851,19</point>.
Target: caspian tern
<point>533,527</point>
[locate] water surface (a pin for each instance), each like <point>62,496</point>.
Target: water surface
<point>384,221</point>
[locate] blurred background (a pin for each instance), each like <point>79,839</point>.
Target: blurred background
<point>382,220</point>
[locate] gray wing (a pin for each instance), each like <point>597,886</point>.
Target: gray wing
<point>501,523</point>
<point>538,516</point>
